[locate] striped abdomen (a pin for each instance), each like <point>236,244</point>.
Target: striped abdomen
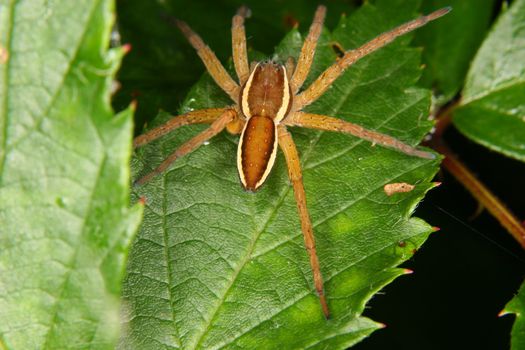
<point>265,101</point>
<point>257,151</point>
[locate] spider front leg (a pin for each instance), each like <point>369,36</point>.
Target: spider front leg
<point>212,63</point>
<point>319,86</point>
<point>306,56</point>
<point>240,55</point>
<point>326,123</point>
<point>228,116</point>
<point>294,171</point>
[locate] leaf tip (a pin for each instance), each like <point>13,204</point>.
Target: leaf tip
<point>115,87</point>
<point>503,313</point>
<point>436,229</point>
<point>126,48</point>
<point>408,271</point>
<point>133,105</point>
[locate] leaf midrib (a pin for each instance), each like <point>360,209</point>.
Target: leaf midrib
<point>508,84</point>
<point>67,276</point>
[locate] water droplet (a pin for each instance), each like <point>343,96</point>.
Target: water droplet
<point>206,143</point>
<point>115,39</point>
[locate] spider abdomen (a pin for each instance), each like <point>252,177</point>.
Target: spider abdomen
<point>256,151</point>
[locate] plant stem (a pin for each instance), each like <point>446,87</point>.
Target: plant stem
<point>478,190</point>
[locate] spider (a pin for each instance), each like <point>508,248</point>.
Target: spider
<point>267,99</point>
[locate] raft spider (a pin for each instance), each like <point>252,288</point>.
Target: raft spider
<point>268,98</point>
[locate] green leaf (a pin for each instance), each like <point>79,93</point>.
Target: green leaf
<point>64,183</point>
<point>492,110</point>
<point>216,267</point>
<point>451,43</point>
<point>517,306</point>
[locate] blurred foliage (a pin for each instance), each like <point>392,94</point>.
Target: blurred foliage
<point>64,178</point>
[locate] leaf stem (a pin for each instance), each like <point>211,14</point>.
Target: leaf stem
<point>476,188</point>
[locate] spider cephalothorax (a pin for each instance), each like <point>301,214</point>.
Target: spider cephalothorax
<point>268,98</point>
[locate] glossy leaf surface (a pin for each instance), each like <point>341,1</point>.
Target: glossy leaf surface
<point>492,110</point>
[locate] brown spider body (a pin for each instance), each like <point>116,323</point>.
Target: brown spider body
<point>265,101</point>
<point>268,98</point>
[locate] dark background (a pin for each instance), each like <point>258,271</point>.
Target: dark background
<point>463,275</point>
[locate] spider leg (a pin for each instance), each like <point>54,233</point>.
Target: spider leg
<point>212,63</point>
<point>201,116</point>
<point>240,56</point>
<point>216,127</point>
<point>308,50</point>
<point>323,122</point>
<point>319,86</point>
<point>294,172</point>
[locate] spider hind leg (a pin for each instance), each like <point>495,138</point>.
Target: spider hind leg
<point>294,171</point>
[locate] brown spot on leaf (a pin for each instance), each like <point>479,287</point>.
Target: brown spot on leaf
<point>397,187</point>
